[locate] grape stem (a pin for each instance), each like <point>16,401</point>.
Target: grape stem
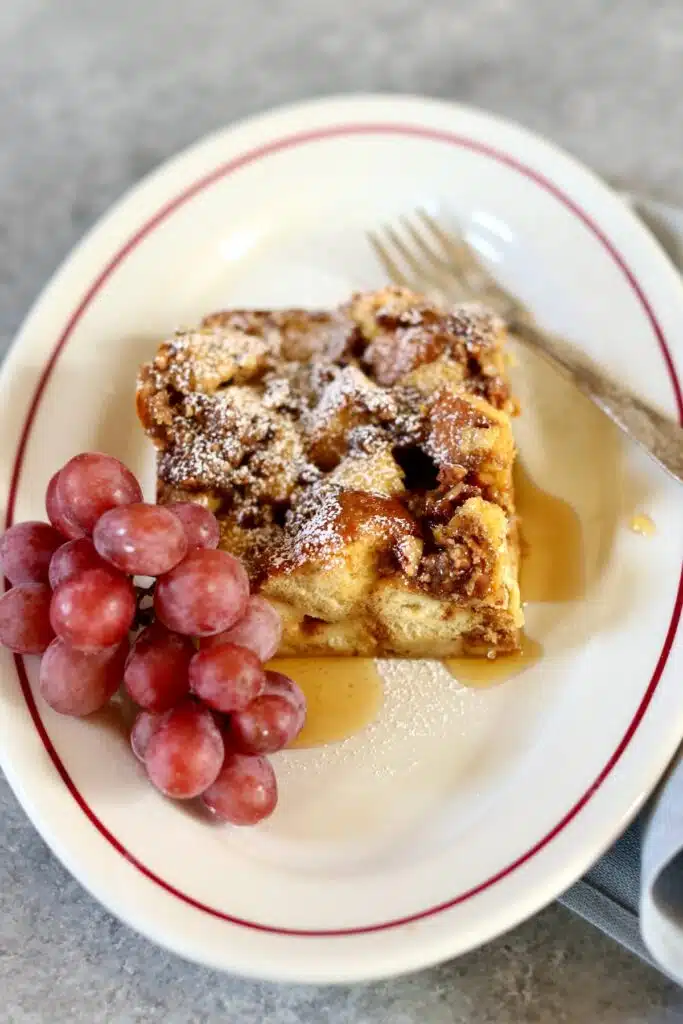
<point>144,616</point>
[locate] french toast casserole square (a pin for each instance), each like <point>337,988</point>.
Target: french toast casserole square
<point>359,462</point>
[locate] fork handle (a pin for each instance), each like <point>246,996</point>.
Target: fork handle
<point>659,435</point>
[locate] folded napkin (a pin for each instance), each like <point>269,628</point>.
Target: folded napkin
<point>608,896</point>
<point>635,892</point>
<point>661,887</point>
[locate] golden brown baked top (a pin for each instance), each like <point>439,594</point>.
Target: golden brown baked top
<point>306,431</point>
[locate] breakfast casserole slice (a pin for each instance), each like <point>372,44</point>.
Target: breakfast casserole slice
<point>359,461</point>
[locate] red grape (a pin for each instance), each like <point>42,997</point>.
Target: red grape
<point>259,630</point>
<point>71,558</point>
<point>26,550</point>
<point>156,675</point>
<point>206,593</point>
<point>245,791</point>
<point>25,618</point>
<point>90,484</point>
<point>140,539</point>
<point>226,678</point>
<point>57,514</point>
<point>144,727</point>
<point>185,754</point>
<point>200,525</point>
<point>268,724</point>
<point>94,609</point>
<point>77,682</point>
<point>278,683</point>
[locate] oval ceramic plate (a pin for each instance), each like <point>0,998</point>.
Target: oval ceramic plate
<point>460,811</point>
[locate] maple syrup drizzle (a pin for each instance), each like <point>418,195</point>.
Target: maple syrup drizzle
<point>643,525</point>
<point>552,561</point>
<point>482,672</point>
<point>343,695</point>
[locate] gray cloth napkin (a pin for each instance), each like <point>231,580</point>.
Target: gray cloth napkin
<point>661,886</point>
<point>608,896</point>
<point>635,892</point>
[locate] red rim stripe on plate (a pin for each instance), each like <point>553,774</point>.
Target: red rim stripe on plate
<point>290,142</point>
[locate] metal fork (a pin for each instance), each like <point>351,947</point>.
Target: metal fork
<point>426,257</point>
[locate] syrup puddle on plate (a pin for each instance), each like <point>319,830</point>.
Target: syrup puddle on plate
<point>552,563</point>
<point>343,697</point>
<point>490,671</point>
<point>643,525</point>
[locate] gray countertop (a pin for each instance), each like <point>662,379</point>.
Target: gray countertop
<point>92,96</point>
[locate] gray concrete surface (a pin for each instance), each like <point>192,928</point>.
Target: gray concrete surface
<point>92,96</point>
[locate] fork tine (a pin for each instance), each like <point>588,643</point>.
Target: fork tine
<point>461,259</point>
<point>476,276</point>
<point>455,248</point>
<point>394,272</point>
<point>423,245</point>
<point>446,273</point>
<point>436,258</point>
<point>408,256</point>
<point>410,271</point>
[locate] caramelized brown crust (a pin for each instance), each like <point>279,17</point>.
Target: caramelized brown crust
<point>359,461</point>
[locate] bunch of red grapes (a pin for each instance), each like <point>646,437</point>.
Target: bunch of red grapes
<point>209,711</point>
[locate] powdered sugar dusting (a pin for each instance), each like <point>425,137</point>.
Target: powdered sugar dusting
<point>311,525</point>
<point>297,427</point>
<point>350,388</point>
<point>229,440</point>
<point>424,707</point>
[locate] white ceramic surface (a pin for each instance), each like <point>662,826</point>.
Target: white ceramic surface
<point>460,811</point>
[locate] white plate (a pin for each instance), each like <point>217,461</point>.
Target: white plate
<point>462,811</point>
